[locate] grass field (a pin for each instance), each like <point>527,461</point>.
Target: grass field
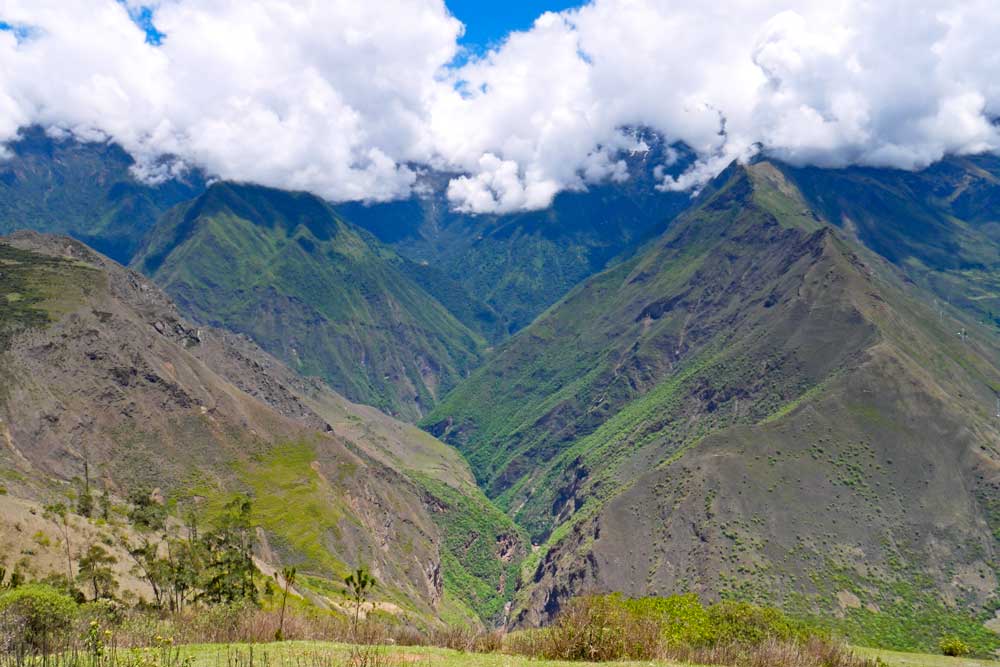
<point>327,654</point>
<point>898,659</point>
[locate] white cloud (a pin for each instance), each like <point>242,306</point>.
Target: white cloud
<point>326,96</point>
<point>342,97</point>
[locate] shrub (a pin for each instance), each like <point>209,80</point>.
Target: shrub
<point>42,612</point>
<point>596,628</point>
<point>743,623</point>
<point>684,621</point>
<point>953,646</point>
<point>680,628</point>
<point>456,637</point>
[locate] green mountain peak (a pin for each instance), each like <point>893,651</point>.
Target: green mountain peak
<point>322,295</point>
<point>747,408</point>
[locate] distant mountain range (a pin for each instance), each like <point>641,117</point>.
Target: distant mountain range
<point>85,190</point>
<point>324,296</point>
<point>520,264</point>
<point>784,389</point>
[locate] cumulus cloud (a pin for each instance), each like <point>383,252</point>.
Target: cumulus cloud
<point>347,99</point>
<point>330,97</point>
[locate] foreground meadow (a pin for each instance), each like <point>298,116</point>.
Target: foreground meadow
<point>332,654</point>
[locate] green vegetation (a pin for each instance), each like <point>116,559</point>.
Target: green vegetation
<point>937,225</point>
<point>954,647</point>
<point>561,400</point>
<point>903,659</point>
<point>84,190</point>
<point>40,614</point>
<point>286,477</point>
<point>333,654</point>
<point>614,627</point>
<point>909,626</point>
<point>598,628</point>
<point>751,405</point>
<point>187,442</point>
<point>726,411</point>
<point>95,571</point>
<point>35,288</point>
<point>359,584</point>
<point>520,264</point>
<point>611,628</point>
<point>275,265</point>
<point>482,549</point>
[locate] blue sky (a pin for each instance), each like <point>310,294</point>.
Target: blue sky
<point>487,22</point>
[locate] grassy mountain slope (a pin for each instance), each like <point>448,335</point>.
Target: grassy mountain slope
<point>521,263</point>
<point>940,225</point>
<point>751,407</point>
<point>97,366</point>
<point>84,190</point>
<point>318,293</point>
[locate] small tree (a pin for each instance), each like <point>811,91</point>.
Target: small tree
<point>288,574</point>
<point>95,569</point>
<point>229,548</point>
<point>105,502</point>
<point>146,513</point>
<point>185,565</point>
<point>58,513</point>
<point>85,501</point>
<point>149,566</point>
<point>359,585</point>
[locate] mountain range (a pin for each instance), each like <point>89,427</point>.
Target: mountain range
<point>324,296</point>
<point>784,389</point>
<point>102,374</point>
<point>754,405</point>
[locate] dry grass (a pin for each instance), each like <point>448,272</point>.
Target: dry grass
<point>593,630</point>
<point>777,653</point>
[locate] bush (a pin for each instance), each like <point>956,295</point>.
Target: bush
<point>680,628</point>
<point>953,646</point>
<point>41,612</point>
<point>456,637</point>
<point>684,621</point>
<point>596,628</point>
<point>743,623</point>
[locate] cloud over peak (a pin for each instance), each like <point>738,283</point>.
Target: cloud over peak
<point>346,99</point>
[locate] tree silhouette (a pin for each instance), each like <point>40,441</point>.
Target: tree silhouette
<point>95,569</point>
<point>359,584</point>
<point>58,513</point>
<point>288,574</point>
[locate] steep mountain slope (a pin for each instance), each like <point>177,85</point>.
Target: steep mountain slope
<point>520,264</point>
<point>752,407</point>
<point>318,293</point>
<point>940,225</point>
<point>84,190</point>
<point>493,273</point>
<point>97,368</point>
